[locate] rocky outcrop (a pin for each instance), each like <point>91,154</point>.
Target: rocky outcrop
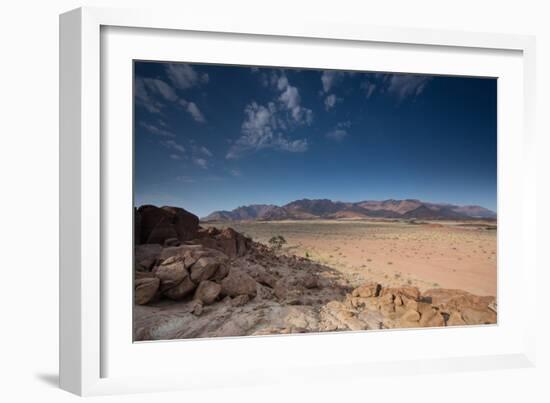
<point>154,225</point>
<point>407,307</point>
<point>145,289</point>
<point>229,241</point>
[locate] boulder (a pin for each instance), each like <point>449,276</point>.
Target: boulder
<point>407,292</point>
<point>229,241</point>
<point>156,225</point>
<point>221,273</point>
<point>137,227</point>
<point>336,316</point>
<point>237,282</point>
<point>145,289</point>
<point>171,274</point>
<point>367,290</point>
<point>180,291</point>
<point>478,316</point>
<point>207,292</point>
<point>147,255</point>
<point>150,217</point>
<point>185,223</point>
<point>204,269</point>
<point>162,231</point>
<point>455,319</point>
<point>410,316</point>
<point>197,307</point>
<point>171,242</point>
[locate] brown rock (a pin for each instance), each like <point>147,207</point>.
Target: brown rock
<point>373,319</point>
<point>162,231</point>
<point>367,290</point>
<point>478,317</point>
<point>410,316</point>
<point>171,274</point>
<point>139,268</point>
<point>310,281</point>
<point>237,282</point>
<point>288,288</point>
<point>221,273</point>
<point>137,227</point>
<point>197,307</point>
<point>185,224</point>
<point>158,224</point>
<point>240,300</point>
<point>405,291</point>
<point>455,319</point>
<point>204,269</point>
<point>207,292</point>
<point>262,276</point>
<point>171,242</point>
<point>180,291</point>
<point>145,289</point>
<point>147,255</point>
<point>229,241</point>
<point>150,216</point>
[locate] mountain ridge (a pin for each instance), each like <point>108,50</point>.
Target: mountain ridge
<point>304,209</point>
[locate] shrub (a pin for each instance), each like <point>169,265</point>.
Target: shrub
<point>277,242</point>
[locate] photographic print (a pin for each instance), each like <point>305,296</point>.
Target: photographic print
<point>278,200</point>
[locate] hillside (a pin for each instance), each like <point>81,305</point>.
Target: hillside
<point>305,209</point>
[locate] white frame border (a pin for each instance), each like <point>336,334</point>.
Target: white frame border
<point>80,165</point>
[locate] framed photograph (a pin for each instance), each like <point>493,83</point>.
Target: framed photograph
<point>257,195</point>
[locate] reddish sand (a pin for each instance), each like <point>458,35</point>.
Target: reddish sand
<point>448,255</point>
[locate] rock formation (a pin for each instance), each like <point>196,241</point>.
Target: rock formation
<point>194,282</point>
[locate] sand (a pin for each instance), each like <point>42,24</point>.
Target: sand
<point>427,255</point>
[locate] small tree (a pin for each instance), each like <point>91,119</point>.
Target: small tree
<point>277,242</point>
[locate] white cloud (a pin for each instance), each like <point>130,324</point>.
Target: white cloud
<point>205,151</point>
<point>236,172</point>
<point>262,129</point>
<point>330,78</point>
<point>175,156</point>
<point>201,162</point>
<point>407,85</point>
<point>290,99</point>
<point>344,125</point>
<point>160,87</point>
<point>183,76</point>
<point>330,101</point>
<point>193,110</point>
<point>173,145</point>
<point>340,132</point>
<point>267,126</point>
<point>369,88</point>
<point>157,130</point>
<point>143,99</point>
<point>337,134</point>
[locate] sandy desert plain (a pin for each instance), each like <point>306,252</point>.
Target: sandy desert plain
<point>425,254</point>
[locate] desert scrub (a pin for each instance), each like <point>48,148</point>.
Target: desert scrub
<point>277,242</point>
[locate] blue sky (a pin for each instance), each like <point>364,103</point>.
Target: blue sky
<point>212,137</point>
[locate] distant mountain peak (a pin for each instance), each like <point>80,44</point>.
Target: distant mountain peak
<point>304,209</point>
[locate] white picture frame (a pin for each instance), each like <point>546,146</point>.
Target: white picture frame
<point>86,346</point>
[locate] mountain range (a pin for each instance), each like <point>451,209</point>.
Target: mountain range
<point>305,209</point>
